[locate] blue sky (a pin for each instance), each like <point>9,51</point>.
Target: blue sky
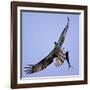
<point>39,32</point>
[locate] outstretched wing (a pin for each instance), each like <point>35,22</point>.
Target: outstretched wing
<point>45,62</point>
<point>63,34</point>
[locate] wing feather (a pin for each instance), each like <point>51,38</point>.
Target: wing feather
<point>63,34</point>
<point>45,62</point>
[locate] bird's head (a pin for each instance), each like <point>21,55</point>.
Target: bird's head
<point>55,43</point>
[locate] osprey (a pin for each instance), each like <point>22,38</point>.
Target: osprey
<point>58,54</point>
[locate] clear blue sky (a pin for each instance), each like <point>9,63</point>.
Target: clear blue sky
<point>39,31</point>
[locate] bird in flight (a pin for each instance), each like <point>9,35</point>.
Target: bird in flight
<point>58,54</point>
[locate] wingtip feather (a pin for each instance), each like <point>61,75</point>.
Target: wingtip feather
<point>28,69</point>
